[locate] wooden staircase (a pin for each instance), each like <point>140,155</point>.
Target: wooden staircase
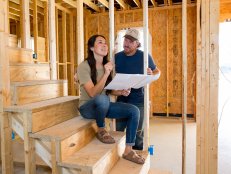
<point>48,121</point>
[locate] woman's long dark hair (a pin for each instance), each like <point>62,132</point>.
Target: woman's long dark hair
<point>92,62</point>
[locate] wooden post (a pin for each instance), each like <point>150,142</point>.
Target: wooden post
<point>46,30</point>
<point>52,39</point>
<point>5,147</point>
<point>80,32</point>
<point>25,24</point>
<point>207,86</point>
<point>29,147</point>
<point>35,27</point>
<point>146,88</point>
<point>184,83</point>
<point>111,29</point>
<point>64,43</point>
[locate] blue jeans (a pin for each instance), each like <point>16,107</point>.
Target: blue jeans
<point>100,107</point>
<point>121,125</point>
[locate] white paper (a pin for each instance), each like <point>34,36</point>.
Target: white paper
<point>126,81</point>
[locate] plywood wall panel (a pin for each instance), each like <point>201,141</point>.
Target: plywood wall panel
<point>159,52</point>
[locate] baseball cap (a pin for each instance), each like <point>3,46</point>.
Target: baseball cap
<point>132,34</point>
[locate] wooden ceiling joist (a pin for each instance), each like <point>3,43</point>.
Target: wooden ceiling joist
<point>122,4</point>
<point>40,4</point>
<point>91,5</point>
<point>137,2</point>
<point>14,17</point>
<point>154,3</point>
<point>16,7</point>
<point>69,2</point>
<point>104,3</point>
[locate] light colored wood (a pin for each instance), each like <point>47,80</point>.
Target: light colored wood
<point>46,32</point>
<point>80,32</point>
<point>125,166</point>
<point>34,91</point>
<point>35,26</point>
<point>122,4</point>
<point>13,40</point>
<point>207,124</point>
<point>55,167</point>
<point>64,43</point>
<point>78,132</point>
<point>41,50</point>
<point>145,66</point>
<point>90,4</point>
<point>138,4</point>
<point>72,56</point>
<point>19,55</point>
<point>184,83</point>
<point>89,160</point>
<point>29,151</point>
<point>18,153</point>
<point>25,24</point>
<point>105,3</point>
<point>156,171</point>
<point>51,112</point>
<point>28,72</point>
<point>52,39</point>
<point>6,146</point>
<point>69,2</point>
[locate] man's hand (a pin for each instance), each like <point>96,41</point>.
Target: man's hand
<point>125,92</point>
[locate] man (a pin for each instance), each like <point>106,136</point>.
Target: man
<point>130,61</point>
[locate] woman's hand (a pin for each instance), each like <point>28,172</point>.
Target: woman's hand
<point>108,67</point>
<point>125,92</point>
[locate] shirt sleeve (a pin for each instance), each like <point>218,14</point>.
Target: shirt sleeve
<point>84,72</point>
<point>151,63</point>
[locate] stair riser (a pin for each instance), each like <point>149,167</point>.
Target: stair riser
<point>77,141</point>
<point>49,116</point>
<point>103,166</point>
<point>29,94</point>
<point>20,55</point>
<point>28,73</point>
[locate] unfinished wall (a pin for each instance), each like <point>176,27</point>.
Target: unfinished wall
<point>165,26</point>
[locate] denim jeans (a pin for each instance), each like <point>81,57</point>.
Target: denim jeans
<point>121,125</point>
<point>100,107</point>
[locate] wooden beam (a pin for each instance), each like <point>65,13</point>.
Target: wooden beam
<point>145,67</point>
<point>122,4</point>
<point>154,3</point>
<point>46,31</point>
<point>35,26</point>
<point>40,3</point>
<point>184,83</point>
<point>52,39</point>
<point>11,16</point>
<point>207,86</point>
<point>91,5</point>
<point>6,143</point>
<point>69,2</point>
<point>16,7</point>
<point>104,2</point>
<point>169,2</point>
<point>25,24</point>
<point>137,2</point>
<point>80,32</point>
<point>64,42</point>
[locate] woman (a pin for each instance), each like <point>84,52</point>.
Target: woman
<point>93,75</point>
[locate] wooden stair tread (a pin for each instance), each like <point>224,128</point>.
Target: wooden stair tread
<point>37,82</point>
<point>124,166</point>
<point>41,104</point>
<point>157,171</point>
<point>29,64</point>
<point>91,154</point>
<point>64,129</point>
